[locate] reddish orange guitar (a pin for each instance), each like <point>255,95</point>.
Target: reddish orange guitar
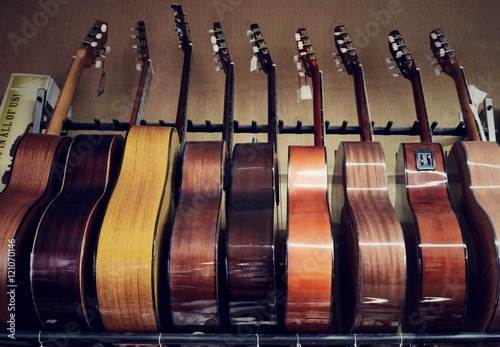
<point>371,266</point>
<point>435,249</point>
<point>477,164</point>
<point>309,252</point>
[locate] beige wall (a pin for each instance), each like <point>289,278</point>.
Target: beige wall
<point>60,25</point>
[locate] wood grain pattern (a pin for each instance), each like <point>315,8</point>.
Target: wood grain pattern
<point>62,260</point>
<point>371,250</point>
<point>194,252</point>
<point>128,267</point>
<point>477,165</point>
<point>309,258</point>
<point>36,178</point>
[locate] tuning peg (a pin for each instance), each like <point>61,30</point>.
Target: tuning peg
<point>429,57</point>
<point>389,60</point>
<point>255,49</point>
<point>337,33</point>
<point>300,45</point>
<point>104,28</point>
<point>296,59</point>
<point>211,31</point>
<point>249,33</point>
<point>215,48</point>
<point>217,68</point>
<point>98,64</point>
<point>297,37</point>
<point>107,49</point>
<point>213,40</point>
<point>433,63</point>
<point>434,36</point>
<point>396,74</point>
<point>437,71</point>
<point>93,44</point>
<point>391,38</point>
<point>98,36</point>
<point>138,66</point>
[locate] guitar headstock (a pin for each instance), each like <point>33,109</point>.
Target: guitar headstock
<point>181,26</point>
<point>306,57</point>
<point>142,45</point>
<point>444,54</point>
<point>401,55</point>
<point>345,48</point>
<point>261,57</point>
<point>94,45</point>
<point>220,48</point>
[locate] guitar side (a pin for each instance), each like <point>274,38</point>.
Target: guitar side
<point>474,168</point>
<point>436,251</point>
<point>129,271</point>
<point>63,252</point>
<point>195,239</point>
<point>371,263</point>
<point>36,178</point>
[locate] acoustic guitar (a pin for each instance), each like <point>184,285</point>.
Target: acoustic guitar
<point>371,265</point>
<point>475,167</point>
<point>36,178</point>
<point>309,244</point>
<point>436,253</point>
<point>62,266</point>
<point>129,263</point>
<point>251,229</point>
<point>193,274</point>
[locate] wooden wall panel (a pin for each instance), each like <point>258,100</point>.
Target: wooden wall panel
<point>59,25</point>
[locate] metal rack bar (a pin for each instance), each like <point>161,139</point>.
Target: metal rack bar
<point>66,338</point>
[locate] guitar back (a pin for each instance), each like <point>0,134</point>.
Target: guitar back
<point>62,257</point>
<point>128,268</point>
<point>474,168</point>
<point>36,178</point>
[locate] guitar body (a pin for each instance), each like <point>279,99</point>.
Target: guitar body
<point>250,237</point>
<point>309,253</point>
<point>477,165</point>
<point>62,265</point>
<point>435,249</point>
<point>36,178</point>
<point>371,264</point>
<point>194,245</point>
<point>129,267</point>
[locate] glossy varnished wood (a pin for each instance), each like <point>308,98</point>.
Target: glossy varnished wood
<point>36,178</point>
<point>132,238</point>
<point>309,258</point>
<point>371,263</point>
<point>62,261</point>
<point>250,235</point>
<point>193,257</point>
<point>477,165</point>
<point>436,250</point>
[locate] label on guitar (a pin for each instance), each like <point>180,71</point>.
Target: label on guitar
<point>425,160</point>
<point>17,111</point>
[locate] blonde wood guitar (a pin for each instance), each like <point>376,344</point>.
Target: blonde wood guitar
<point>130,264</point>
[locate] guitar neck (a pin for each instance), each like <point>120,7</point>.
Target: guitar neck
<point>465,106</point>
<point>66,97</point>
<point>317,86</point>
<point>181,118</point>
<point>141,97</point>
<point>365,126</point>
<point>272,115</point>
<point>227,131</point>
<point>420,108</point>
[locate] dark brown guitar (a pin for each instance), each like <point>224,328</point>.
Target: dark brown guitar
<point>37,176</point>
<point>251,217</point>
<point>436,253</point>
<point>194,263</point>
<point>309,244</point>
<point>62,266</point>
<point>371,265</point>
<point>475,165</point>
